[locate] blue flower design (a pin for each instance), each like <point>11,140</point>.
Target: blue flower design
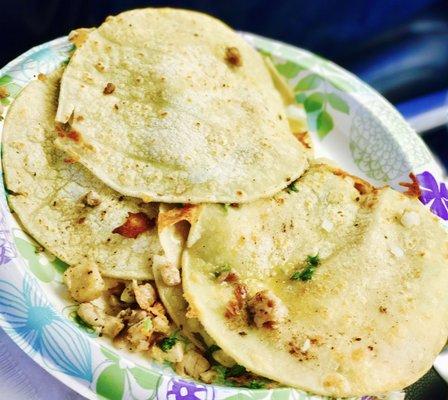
<point>433,194</point>
<point>35,326</point>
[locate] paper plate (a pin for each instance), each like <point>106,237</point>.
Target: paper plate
<point>350,123</point>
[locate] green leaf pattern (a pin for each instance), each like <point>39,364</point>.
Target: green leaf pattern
<point>309,82</point>
<point>289,69</point>
<point>13,89</point>
<point>37,263</point>
<point>324,123</point>
<point>118,379</point>
<point>338,103</point>
<point>319,91</point>
<point>111,382</point>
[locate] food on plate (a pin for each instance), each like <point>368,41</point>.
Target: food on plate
<point>174,106</point>
<point>301,275</point>
<point>173,231</point>
<point>173,227</point>
<point>61,204</point>
<point>130,313</point>
<point>332,288</point>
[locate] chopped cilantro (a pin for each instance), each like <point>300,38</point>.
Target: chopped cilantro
<point>255,384</point>
<point>307,273</point>
<point>236,370</point>
<point>168,343</point>
<point>292,187</point>
<point>209,352</point>
<point>313,260</point>
<point>178,205</point>
<point>224,268</point>
<point>224,377</point>
<point>220,374</point>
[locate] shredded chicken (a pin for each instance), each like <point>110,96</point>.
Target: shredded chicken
<point>158,309</point>
<point>161,324</point>
<point>91,314</point>
<point>209,376</point>
<point>84,282</point>
<point>109,325</point>
<point>145,295</point>
<point>131,314</point>
<point>127,295</point>
<point>139,334</point>
<point>170,275</point>
<point>112,326</point>
<point>267,309</point>
<point>173,355</point>
<point>194,364</point>
<point>131,317</point>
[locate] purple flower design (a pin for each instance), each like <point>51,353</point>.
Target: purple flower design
<point>183,390</point>
<point>7,248</point>
<point>433,194</point>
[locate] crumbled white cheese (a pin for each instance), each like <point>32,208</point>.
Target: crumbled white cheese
<point>306,346</point>
<point>327,225</point>
<point>410,218</point>
<point>397,251</point>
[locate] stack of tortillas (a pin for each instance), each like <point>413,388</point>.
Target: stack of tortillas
<point>300,272</point>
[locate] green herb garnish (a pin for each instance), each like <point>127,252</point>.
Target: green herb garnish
<point>307,273</point>
<point>224,377</point>
<point>255,384</point>
<point>292,187</point>
<point>209,352</point>
<point>220,374</point>
<point>224,268</point>
<point>178,205</point>
<point>236,370</point>
<point>313,260</point>
<point>168,343</point>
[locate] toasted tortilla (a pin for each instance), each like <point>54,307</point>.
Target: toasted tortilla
<point>173,232</point>
<point>370,319</point>
<point>174,106</point>
<point>48,190</point>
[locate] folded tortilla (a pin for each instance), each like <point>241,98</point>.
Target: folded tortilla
<point>357,278</point>
<point>174,106</point>
<point>48,192</point>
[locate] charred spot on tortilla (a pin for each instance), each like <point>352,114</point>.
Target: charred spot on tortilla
<point>135,224</point>
<point>233,56</point>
